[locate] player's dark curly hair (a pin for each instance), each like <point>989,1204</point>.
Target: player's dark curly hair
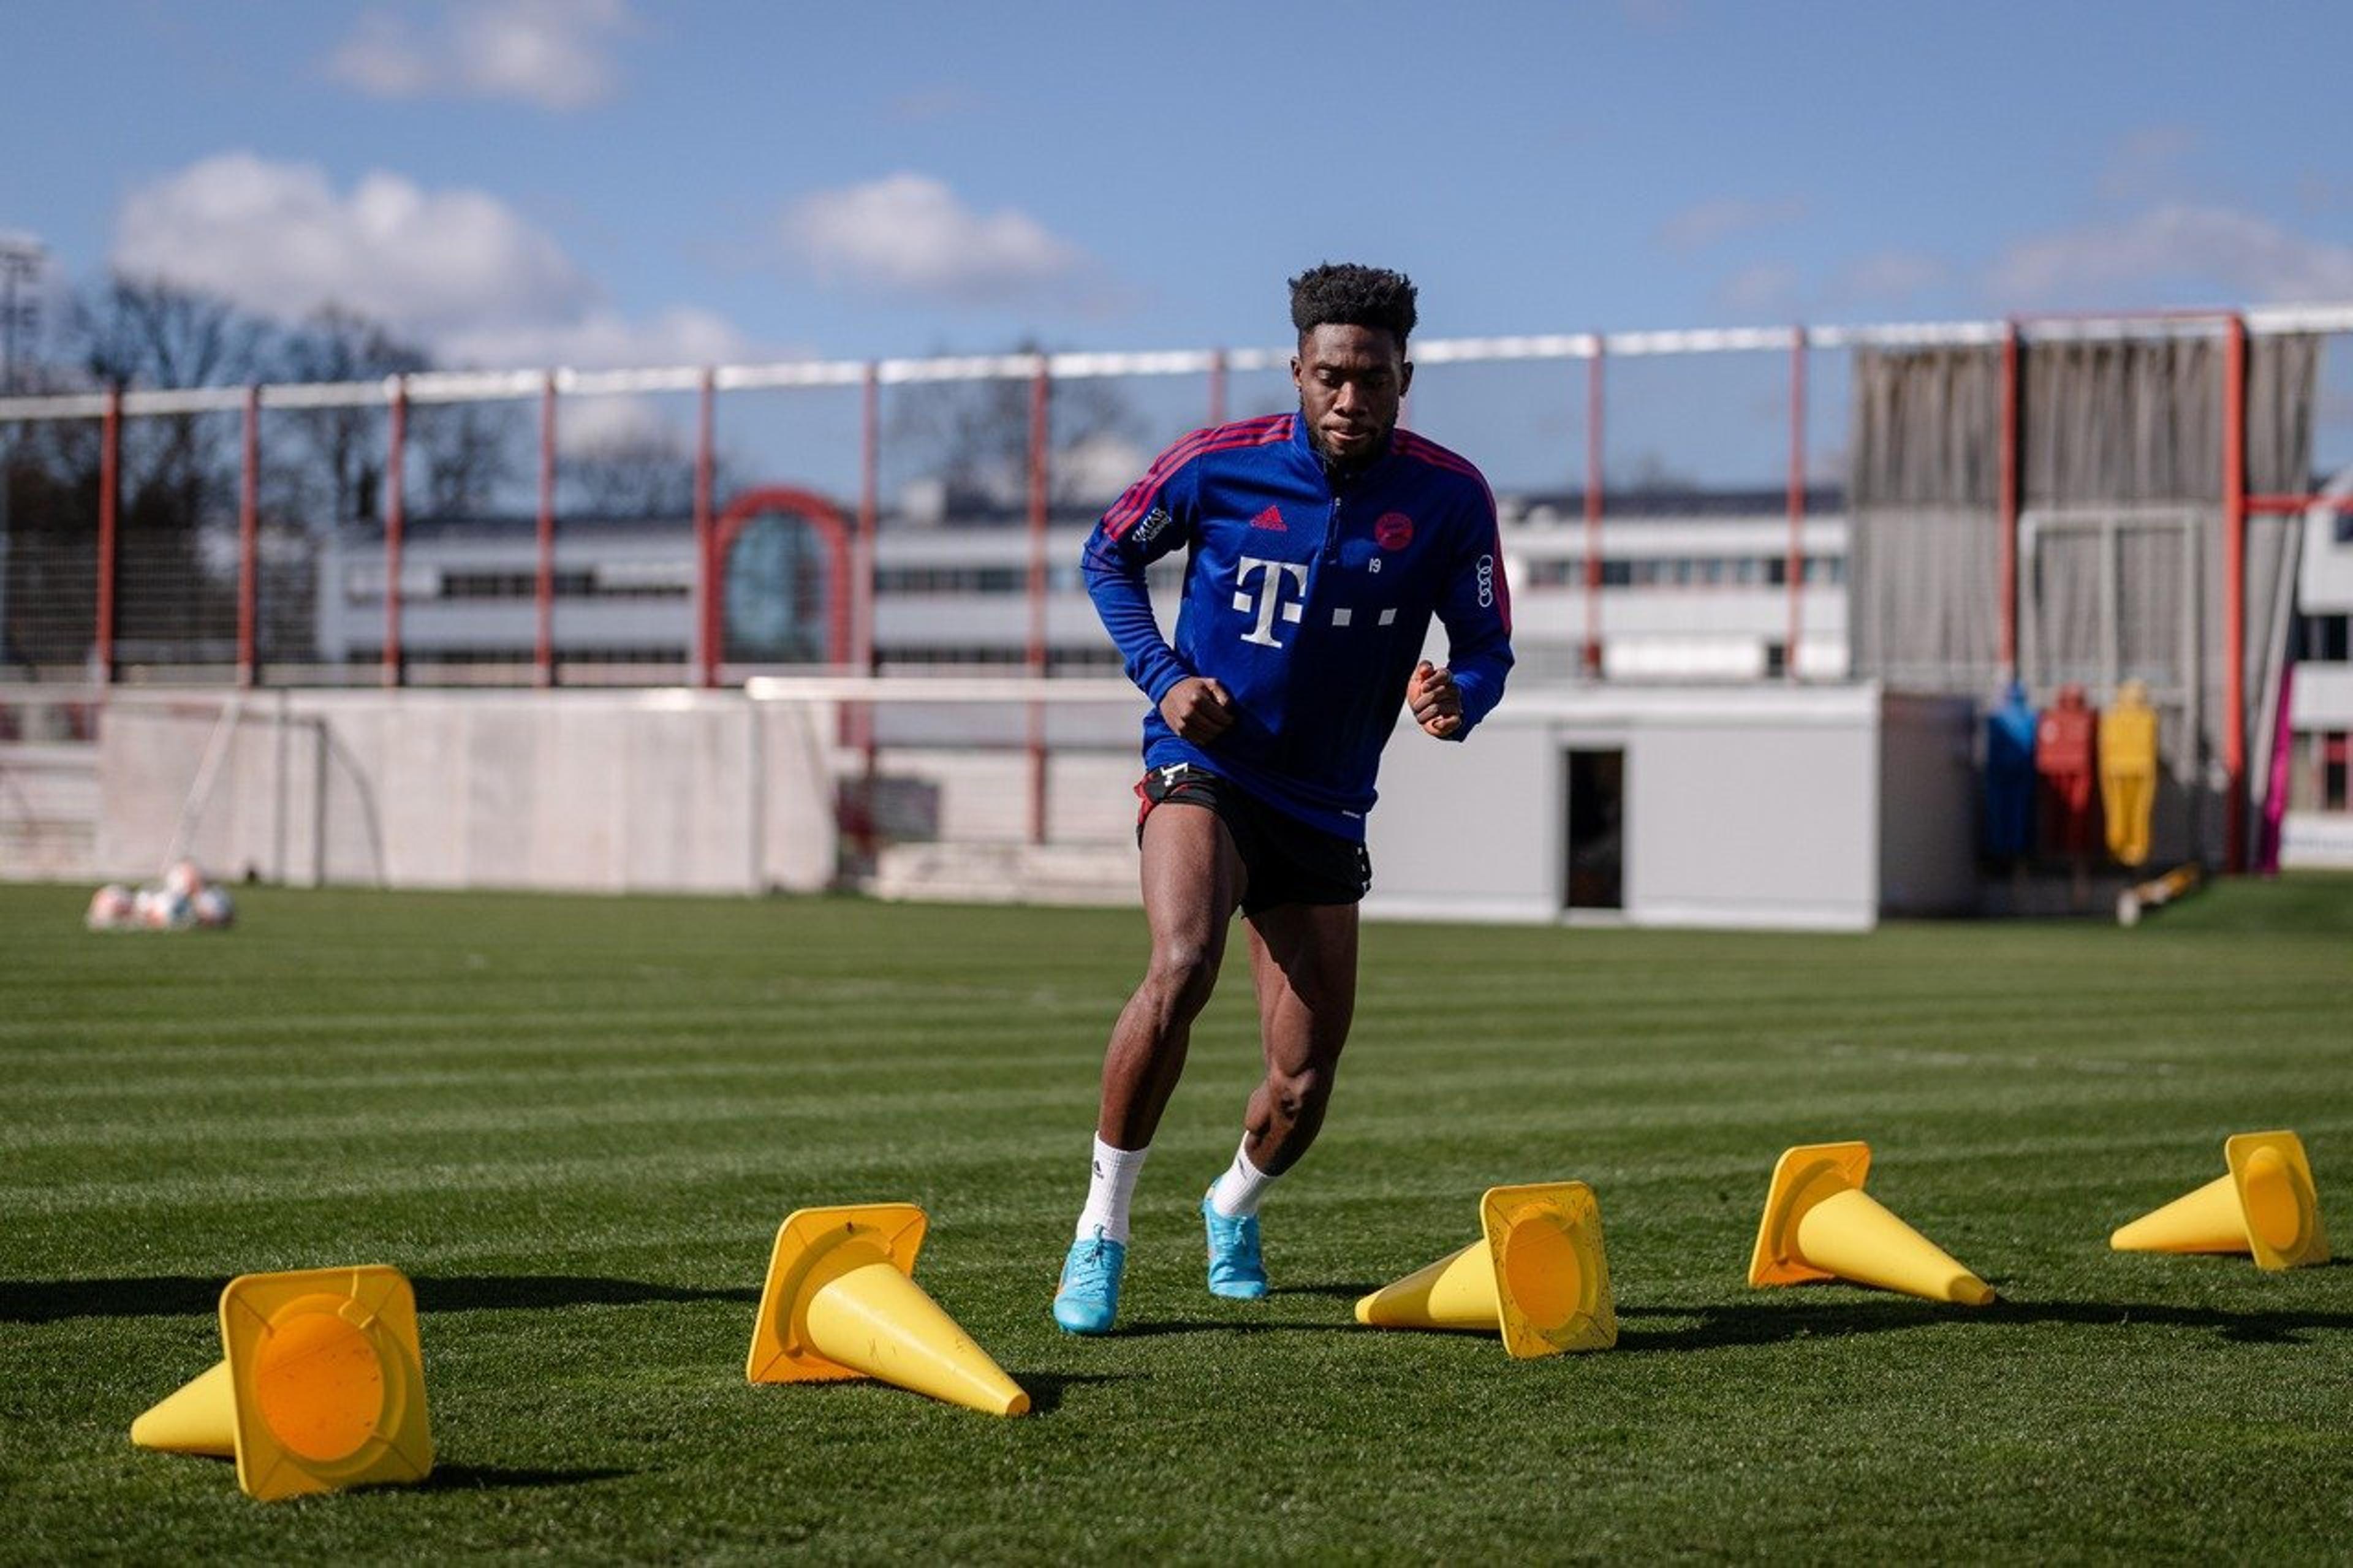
<point>1343,294</point>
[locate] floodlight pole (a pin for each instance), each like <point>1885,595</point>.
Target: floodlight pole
<point>1217,386</point>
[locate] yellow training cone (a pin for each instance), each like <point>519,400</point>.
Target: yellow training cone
<point>322,1385</point>
<point>842,1301</point>
<point>1538,1274</point>
<point>1820,1224</point>
<point>2264,1205</point>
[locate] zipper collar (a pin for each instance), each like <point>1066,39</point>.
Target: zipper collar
<point>1303,442</point>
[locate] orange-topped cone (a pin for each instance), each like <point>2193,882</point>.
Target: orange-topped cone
<point>1537,1274</point>
<point>2265,1203</point>
<point>322,1386</point>
<point>1820,1224</point>
<point>842,1301</point>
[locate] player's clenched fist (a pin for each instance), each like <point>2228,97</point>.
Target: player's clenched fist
<point>1197,708</point>
<point>1431,693</point>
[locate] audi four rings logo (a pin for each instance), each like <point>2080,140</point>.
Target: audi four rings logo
<point>1486,581</point>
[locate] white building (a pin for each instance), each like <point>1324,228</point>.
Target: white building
<point>1685,594</point>
<point>2319,827</point>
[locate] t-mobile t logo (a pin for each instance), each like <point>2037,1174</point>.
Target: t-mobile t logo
<point>1267,600</point>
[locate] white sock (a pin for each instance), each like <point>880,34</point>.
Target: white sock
<point>1114,1183</point>
<point>1243,1186</point>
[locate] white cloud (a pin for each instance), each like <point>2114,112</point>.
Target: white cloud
<point>557,54</point>
<point>279,240</point>
<point>459,268</point>
<point>908,234</point>
<point>2204,251</point>
<point>600,340</point>
<point>1708,223</point>
<point>593,425</point>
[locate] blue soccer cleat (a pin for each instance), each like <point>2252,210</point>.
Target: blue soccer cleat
<point>1088,1297</point>
<point>1236,1271</point>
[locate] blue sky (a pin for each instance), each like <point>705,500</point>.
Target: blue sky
<point>601,182</point>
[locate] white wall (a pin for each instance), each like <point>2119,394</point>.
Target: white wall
<point>1747,806</point>
<point>615,792</point>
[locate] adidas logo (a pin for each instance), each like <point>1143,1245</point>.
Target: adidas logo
<point>1271,519</point>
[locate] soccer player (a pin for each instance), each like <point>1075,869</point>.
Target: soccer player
<point>1320,544</point>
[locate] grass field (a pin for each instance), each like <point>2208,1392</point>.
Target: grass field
<point>577,1124</point>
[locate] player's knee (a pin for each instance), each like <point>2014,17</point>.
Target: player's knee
<point>1183,974</point>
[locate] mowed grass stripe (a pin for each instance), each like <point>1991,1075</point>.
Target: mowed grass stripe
<point>577,1122</point>
<point>196,1107</point>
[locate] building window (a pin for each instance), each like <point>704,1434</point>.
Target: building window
<point>2323,639</point>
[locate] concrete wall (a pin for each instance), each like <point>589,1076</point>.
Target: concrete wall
<point>622,791</point>
<point>1811,808</point>
<point>1743,807</point>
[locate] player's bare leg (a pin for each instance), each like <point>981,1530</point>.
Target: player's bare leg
<point>1303,959</point>
<point>1192,878</point>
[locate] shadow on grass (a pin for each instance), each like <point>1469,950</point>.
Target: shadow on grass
<point>178,1295</point>
<point>494,1477</point>
<point>470,1292</point>
<point>1336,1293</point>
<point>1751,1323</point>
<point>1236,1324</point>
<point>1046,1389</point>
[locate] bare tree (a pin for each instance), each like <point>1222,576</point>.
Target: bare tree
<point>136,331</point>
<point>972,438</point>
<point>471,453</point>
<point>346,447</point>
<point>465,451</point>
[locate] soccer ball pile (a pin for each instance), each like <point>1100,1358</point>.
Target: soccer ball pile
<point>183,901</point>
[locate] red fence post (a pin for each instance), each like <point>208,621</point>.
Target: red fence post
<point>249,534</point>
<point>869,515</point>
<point>2012,495</point>
<point>1039,393</point>
<point>2234,589</point>
<point>395,518</point>
<point>706,620</point>
<point>1796,568</point>
<point>110,487</point>
<point>543,646</point>
<point>1593,393</point>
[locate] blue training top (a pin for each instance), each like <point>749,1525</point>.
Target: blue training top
<point>1309,605</point>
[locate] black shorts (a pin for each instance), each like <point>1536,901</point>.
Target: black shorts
<point>1287,862</point>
